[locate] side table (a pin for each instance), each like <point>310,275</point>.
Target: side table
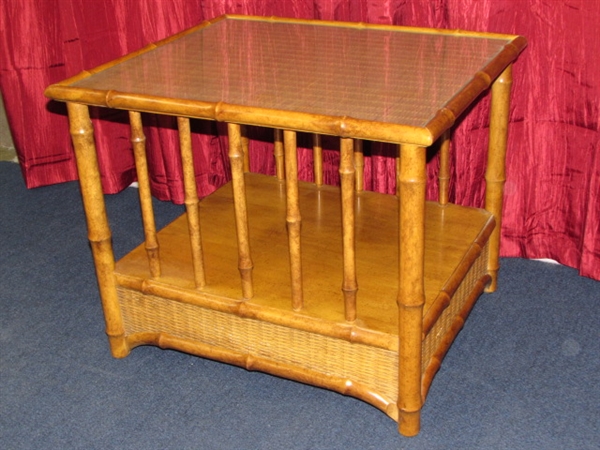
<point>354,291</point>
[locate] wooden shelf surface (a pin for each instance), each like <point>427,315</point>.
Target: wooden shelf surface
<point>451,232</point>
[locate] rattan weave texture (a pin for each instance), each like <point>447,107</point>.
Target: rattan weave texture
<point>369,366</point>
<point>363,364</point>
<point>468,285</point>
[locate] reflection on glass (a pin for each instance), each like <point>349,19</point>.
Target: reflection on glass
<point>381,75</point>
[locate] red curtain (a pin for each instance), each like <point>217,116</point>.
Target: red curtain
<point>552,207</point>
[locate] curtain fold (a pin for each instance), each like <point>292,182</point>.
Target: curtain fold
<point>552,204</point>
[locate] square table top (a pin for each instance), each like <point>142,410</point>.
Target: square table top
<point>387,83</point>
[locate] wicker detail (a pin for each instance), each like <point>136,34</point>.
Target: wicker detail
<point>434,338</point>
<point>372,367</point>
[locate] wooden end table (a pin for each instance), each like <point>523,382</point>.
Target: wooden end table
<point>265,272</point>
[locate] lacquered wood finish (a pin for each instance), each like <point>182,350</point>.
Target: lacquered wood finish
<point>453,240</point>
<point>454,237</point>
<point>301,251</point>
<point>318,159</point>
<point>411,294</point>
<point>191,199</point>
<point>138,141</point>
<point>359,165</point>
<point>245,148</point>
<point>99,234</point>
<point>293,218</point>
<point>350,285</point>
<point>444,171</point>
<point>278,154</point>
<point>495,176</point>
<point>236,156</point>
<point>399,106</point>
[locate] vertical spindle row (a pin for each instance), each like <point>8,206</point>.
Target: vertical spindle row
<point>236,157</point>
<point>293,217</point>
<point>191,200</point>
<point>347,171</point>
<point>138,141</point>
<point>444,172</point>
<point>495,175</point>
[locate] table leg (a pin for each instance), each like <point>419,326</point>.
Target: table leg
<point>99,235</point>
<point>411,294</point>
<point>495,175</point>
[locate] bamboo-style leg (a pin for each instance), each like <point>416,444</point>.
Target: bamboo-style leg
<point>191,200</point>
<point>359,164</point>
<point>138,141</point>
<point>293,218</point>
<point>99,234</point>
<point>347,171</point>
<point>411,296</point>
<point>236,157</point>
<point>278,153</point>
<point>444,172</point>
<point>318,159</point>
<point>495,175</point>
<point>245,148</point>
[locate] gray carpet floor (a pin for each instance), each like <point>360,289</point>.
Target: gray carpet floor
<point>524,373</point>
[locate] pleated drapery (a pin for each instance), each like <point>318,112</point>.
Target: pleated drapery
<point>552,204</point>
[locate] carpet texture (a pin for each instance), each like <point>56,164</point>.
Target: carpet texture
<point>523,374</point>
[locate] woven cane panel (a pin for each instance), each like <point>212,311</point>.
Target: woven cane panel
<point>372,367</point>
<point>390,76</point>
<point>442,325</point>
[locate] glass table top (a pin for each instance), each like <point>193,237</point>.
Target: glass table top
<point>390,75</point>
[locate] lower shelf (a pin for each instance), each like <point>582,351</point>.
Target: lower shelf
<point>315,345</point>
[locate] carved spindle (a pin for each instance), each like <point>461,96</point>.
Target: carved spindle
<point>99,235</point>
<point>411,292</point>
<point>138,140</point>
<point>349,286</point>
<point>359,164</point>
<point>278,152</point>
<point>318,159</point>
<point>495,175</point>
<point>236,157</point>
<point>293,218</point>
<point>191,200</point>
<point>444,172</point>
